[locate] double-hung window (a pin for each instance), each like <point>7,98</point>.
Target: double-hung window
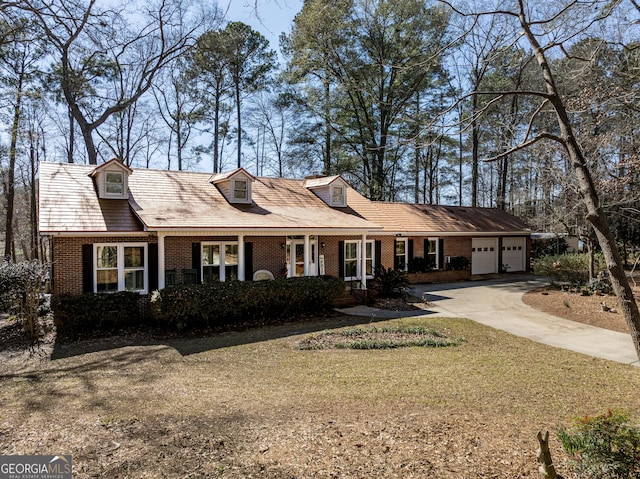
<point>240,190</point>
<point>337,196</point>
<point>431,253</point>
<point>120,267</point>
<point>353,259</point>
<point>400,252</point>
<point>219,261</point>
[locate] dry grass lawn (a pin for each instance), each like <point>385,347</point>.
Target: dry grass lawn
<point>251,404</point>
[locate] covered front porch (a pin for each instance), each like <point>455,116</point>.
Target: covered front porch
<point>223,255</point>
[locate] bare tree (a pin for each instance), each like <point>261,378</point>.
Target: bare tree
<point>568,20</point>
<point>270,116</point>
<point>95,44</point>
<point>17,69</point>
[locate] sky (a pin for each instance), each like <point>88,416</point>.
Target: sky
<point>271,18</point>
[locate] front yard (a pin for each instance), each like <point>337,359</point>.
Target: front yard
<point>253,404</point>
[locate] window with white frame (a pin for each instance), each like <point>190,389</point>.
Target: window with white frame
<point>338,195</point>
<point>400,254</point>
<point>120,267</point>
<point>219,261</point>
<point>114,183</point>
<point>353,259</point>
<point>432,253</point>
<point>240,190</point>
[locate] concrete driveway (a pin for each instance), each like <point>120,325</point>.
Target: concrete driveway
<point>498,303</point>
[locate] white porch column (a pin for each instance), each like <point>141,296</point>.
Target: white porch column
<point>161,267</point>
<point>306,256</point>
<point>363,260</point>
<point>241,258</point>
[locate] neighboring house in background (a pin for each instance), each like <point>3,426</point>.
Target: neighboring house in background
<point>114,228</point>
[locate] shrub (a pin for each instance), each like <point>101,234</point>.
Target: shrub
<point>76,313</point>
<point>571,268</point>
<point>390,282</point>
<point>603,447</point>
<point>458,263</point>
<point>21,291</point>
<point>548,247</point>
<point>239,303</point>
<point>418,264</point>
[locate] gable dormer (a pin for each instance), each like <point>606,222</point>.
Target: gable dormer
<point>330,189</point>
<point>234,185</point>
<point>112,180</point>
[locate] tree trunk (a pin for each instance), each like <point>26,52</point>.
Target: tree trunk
<point>327,128</point>
<point>33,213</point>
<point>87,135</point>
<point>474,152</point>
<point>239,124</point>
<point>72,136</point>
<point>9,251</point>
<point>595,213</point>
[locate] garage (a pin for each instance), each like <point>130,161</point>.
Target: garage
<point>484,255</point>
<point>514,254</point>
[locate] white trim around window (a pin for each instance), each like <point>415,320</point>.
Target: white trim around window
<point>120,267</point>
<point>219,261</point>
<point>338,195</point>
<point>354,264</point>
<point>434,252</point>
<point>401,254</point>
<point>240,190</point>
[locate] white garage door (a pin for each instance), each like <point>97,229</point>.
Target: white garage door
<point>484,255</point>
<point>513,254</point>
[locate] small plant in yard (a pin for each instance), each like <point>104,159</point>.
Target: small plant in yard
<point>390,282</point>
<point>606,446</point>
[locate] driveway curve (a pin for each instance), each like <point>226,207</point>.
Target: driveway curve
<point>498,303</point>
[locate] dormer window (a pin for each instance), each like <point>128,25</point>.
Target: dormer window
<point>111,180</point>
<point>330,189</point>
<point>337,195</point>
<point>240,190</point>
<point>234,185</point>
<point>114,183</point>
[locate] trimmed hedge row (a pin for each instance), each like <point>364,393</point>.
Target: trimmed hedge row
<point>220,304</point>
<point>74,313</point>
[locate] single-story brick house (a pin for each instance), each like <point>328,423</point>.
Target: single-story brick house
<point>115,228</point>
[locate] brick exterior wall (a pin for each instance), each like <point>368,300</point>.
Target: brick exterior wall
<point>268,254</point>
<point>457,246</point>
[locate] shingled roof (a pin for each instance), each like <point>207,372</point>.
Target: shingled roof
<point>160,200</point>
<point>177,200</point>
<point>422,219</point>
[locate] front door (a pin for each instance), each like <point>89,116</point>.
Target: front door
<point>295,258</point>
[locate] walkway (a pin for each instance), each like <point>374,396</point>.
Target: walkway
<point>498,303</point>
